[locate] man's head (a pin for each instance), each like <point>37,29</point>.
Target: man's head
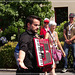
<point>71,17</point>
<point>33,23</point>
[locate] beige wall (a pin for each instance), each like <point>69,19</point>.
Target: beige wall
<point>64,3</point>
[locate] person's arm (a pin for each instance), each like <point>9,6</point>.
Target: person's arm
<point>47,35</point>
<point>37,36</point>
<point>59,45</point>
<point>72,38</point>
<point>21,59</point>
<point>66,40</point>
<point>64,33</point>
<point>23,47</point>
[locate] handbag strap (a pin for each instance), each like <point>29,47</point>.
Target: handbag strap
<point>52,37</point>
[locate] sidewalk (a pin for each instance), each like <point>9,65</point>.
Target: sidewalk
<point>13,72</point>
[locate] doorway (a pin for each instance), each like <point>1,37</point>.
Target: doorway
<point>61,14</point>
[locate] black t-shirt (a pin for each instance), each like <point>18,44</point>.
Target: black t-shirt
<point>27,45</point>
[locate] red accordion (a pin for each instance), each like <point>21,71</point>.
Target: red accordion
<point>43,52</point>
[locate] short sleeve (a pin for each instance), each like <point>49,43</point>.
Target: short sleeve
<point>65,25</point>
<point>23,43</point>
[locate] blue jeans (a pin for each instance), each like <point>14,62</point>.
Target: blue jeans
<point>66,48</point>
<point>16,57</point>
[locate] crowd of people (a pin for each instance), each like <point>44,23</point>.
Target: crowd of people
<point>25,53</point>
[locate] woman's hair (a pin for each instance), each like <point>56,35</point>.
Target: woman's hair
<point>51,23</point>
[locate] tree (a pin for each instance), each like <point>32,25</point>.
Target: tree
<point>15,13</point>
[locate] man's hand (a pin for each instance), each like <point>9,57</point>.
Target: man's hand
<point>21,63</point>
<point>68,41</point>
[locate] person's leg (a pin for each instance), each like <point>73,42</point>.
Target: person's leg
<point>53,70</point>
<point>73,52</point>
<point>45,72</point>
<point>66,47</point>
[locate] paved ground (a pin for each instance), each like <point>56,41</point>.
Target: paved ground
<point>13,72</point>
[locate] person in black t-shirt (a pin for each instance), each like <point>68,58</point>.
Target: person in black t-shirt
<point>69,42</point>
<point>27,59</point>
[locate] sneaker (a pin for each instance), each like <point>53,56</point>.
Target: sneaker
<point>64,70</point>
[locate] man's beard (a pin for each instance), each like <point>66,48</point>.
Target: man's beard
<point>33,31</point>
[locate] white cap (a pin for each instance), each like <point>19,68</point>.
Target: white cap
<point>52,23</point>
<point>46,20</point>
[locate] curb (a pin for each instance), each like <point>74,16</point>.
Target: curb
<point>11,70</point>
<point>14,70</point>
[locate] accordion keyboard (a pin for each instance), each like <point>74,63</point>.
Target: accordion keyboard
<point>43,53</point>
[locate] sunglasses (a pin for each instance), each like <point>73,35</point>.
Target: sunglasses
<point>46,22</point>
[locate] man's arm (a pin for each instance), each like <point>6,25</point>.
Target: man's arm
<point>21,59</point>
<point>64,33</point>
<point>66,40</point>
<point>72,38</point>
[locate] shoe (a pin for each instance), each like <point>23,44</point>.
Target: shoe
<point>64,70</point>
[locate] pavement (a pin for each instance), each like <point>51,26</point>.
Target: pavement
<point>13,72</point>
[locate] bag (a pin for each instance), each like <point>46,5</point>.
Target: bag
<point>57,54</point>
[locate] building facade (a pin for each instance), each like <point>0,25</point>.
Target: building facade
<point>63,8</point>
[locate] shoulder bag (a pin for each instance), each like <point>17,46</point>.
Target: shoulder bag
<point>57,54</point>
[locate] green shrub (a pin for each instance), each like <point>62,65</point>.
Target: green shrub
<point>7,59</point>
<point>1,32</point>
<point>59,30</point>
<point>10,31</point>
